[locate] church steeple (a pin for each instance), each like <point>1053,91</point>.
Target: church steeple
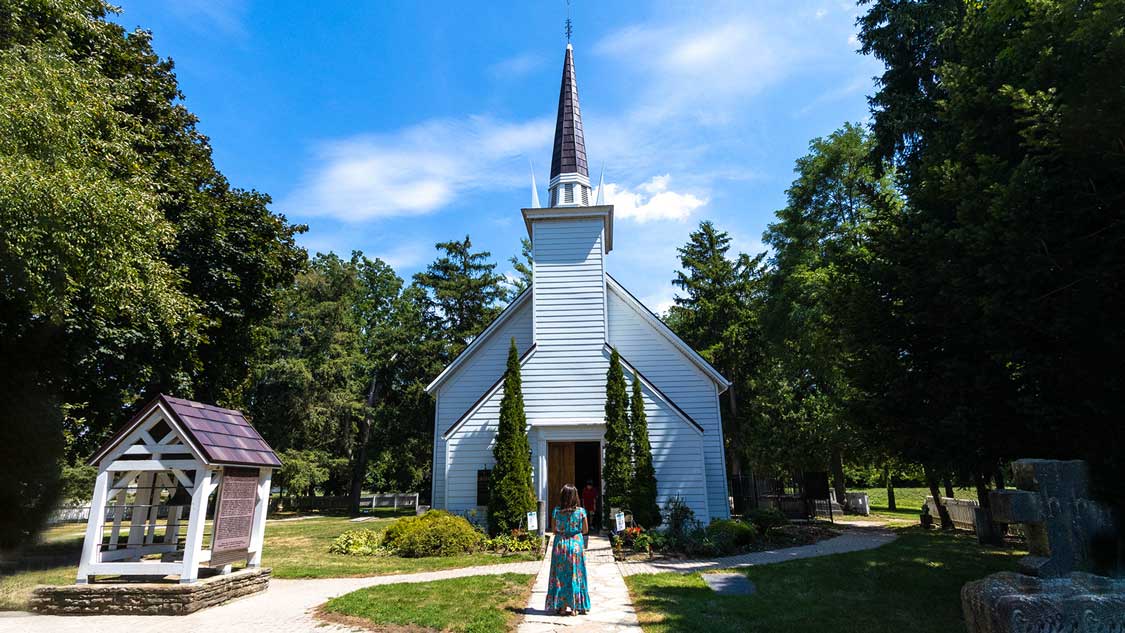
<point>570,177</point>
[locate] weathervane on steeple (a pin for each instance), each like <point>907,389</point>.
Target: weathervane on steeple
<point>569,30</point>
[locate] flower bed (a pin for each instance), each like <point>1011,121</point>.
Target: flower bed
<point>685,537</point>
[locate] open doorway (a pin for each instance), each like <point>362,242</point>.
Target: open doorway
<point>573,463</point>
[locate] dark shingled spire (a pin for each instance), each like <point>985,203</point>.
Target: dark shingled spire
<point>569,155</point>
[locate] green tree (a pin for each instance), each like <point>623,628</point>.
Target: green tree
<point>719,315</point>
<point>819,296</point>
<point>617,471</point>
<point>130,266</point>
<point>511,494</point>
<point>463,290</point>
<point>80,255</point>
<point>1001,120</point>
<point>524,266</point>
<point>643,493</point>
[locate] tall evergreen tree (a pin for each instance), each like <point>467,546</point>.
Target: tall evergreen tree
<point>1001,273</point>
<point>511,495</point>
<point>524,267</point>
<point>617,472</point>
<point>644,507</point>
<point>718,314</point>
<point>464,289</point>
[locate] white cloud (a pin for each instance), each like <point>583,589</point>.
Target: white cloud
<point>820,13</point>
<point>651,201</point>
<point>516,66</point>
<point>416,170</point>
<point>698,69</point>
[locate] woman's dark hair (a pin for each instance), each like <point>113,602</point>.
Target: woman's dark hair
<point>568,498</point>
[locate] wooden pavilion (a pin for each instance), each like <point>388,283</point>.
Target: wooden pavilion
<point>174,454</point>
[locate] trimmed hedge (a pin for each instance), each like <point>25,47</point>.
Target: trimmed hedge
<point>435,533</point>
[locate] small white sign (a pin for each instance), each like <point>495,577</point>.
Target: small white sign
<point>619,522</point>
<point>532,521</point>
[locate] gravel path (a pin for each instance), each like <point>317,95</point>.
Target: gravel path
<point>285,607</point>
<point>852,540</point>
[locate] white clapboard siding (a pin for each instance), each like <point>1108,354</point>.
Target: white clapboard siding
<point>681,380</point>
<point>676,444</point>
<point>569,294</point>
<point>472,379</point>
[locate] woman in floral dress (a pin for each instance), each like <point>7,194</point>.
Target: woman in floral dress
<point>567,590</point>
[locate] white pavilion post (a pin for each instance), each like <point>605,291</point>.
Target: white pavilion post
<point>261,508</point>
<point>91,547</point>
<point>197,517</point>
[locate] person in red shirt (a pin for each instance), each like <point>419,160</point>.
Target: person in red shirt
<point>590,498</point>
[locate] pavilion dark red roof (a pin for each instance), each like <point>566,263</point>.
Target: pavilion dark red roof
<point>223,435</point>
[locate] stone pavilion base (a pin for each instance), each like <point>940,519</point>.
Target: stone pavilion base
<point>149,598</point>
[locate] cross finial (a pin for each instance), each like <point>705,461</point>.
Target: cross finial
<point>569,29</point>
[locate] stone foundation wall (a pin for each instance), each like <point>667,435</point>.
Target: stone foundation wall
<point>149,598</point>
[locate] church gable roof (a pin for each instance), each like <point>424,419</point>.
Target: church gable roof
<point>662,329</point>
<point>480,340</point>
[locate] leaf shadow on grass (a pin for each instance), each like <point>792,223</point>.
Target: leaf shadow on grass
<point>912,584</point>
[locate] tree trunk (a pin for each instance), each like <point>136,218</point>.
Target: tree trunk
<point>890,489</point>
<point>999,478</point>
<point>943,514</point>
<point>838,486</point>
<point>359,463</point>
<point>990,533</point>
<point>948,487</point>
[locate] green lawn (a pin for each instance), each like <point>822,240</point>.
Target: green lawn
<point>912,584</point>
<point>477,604</point>
<point>299,549</point>
<point>908,502</point>
<point>294,549</point>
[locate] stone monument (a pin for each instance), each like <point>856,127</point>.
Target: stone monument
<point>1055,592</point>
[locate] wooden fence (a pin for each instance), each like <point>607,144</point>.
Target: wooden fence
<point>960,511</point>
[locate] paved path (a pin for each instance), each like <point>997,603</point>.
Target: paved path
<point>288,604</point>
<point>852,540</point>
<point>285,607</point>
<point>611,608</point>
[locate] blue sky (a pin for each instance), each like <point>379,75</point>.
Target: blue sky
<point>387,127</point>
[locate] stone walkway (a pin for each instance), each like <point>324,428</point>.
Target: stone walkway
<point>611,609</point>
<point>287,606</point>
<point>852,540</point>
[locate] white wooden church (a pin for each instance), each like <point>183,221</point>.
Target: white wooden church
<point>564,327</point>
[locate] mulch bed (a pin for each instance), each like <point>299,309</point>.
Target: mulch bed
<point>779,538</point>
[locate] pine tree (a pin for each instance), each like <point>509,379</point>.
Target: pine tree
<point>618,468</point>
<point>464,288</point>
<point>644,507</point>
<point>512,496</point>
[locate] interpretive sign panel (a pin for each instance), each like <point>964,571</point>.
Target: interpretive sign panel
<point>619,522</point>
<point>234,516</point>
<point>532,521</point>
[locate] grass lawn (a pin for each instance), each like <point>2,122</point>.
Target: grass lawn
<point>294,549</point>
<point>912,584</point>
<point>908,502</point>
<point>299,549</point>
<point>478,604</point>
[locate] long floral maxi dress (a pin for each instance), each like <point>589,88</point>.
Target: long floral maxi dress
<point>567,584</point>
